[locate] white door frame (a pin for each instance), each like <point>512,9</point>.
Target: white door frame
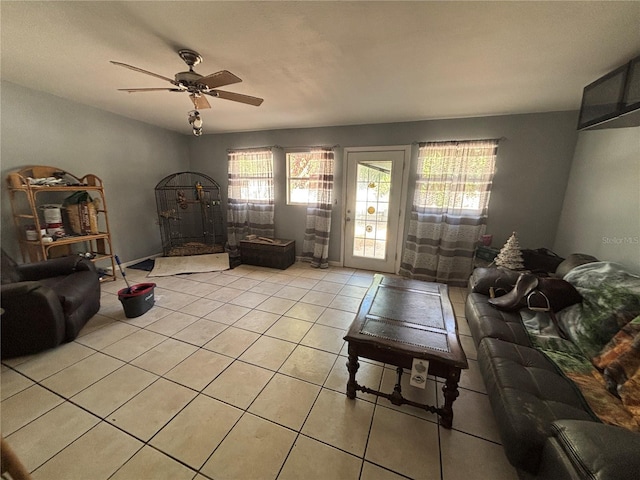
<point>406,167</point>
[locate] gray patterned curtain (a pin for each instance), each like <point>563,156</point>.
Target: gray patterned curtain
<point>315,248</point>
<point>250,208</point>
<point>449,212</point>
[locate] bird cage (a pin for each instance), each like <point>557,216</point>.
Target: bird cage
<point>189,214</point>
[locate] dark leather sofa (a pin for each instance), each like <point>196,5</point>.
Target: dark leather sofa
<point>46,303</point>
<point>547,429</point>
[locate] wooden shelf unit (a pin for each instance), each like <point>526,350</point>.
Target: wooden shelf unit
<point>25,205</point>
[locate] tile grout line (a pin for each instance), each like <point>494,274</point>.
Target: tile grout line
<point>199,391</point>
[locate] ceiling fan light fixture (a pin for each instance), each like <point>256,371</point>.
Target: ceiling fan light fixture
<point>197,86</point>
<point>195,120</point>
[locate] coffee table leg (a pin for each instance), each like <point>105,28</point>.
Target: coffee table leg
<point>352,367</point>
<point>396,395</point>
<point>450,390</point>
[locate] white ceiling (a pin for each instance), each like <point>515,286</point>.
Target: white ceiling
<point>320,63</point>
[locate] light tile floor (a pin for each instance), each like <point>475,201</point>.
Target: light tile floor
<point>237,375</point>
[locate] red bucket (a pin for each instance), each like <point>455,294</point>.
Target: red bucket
<point>138,299</point>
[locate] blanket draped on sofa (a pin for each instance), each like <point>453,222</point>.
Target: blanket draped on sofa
<point>602,354</point>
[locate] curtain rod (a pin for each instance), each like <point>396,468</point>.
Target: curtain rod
<point>252,149</point>
<point>497,140</point>
<point>311,147</point>
<point>288,147</point>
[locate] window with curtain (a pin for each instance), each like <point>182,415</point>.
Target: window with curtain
<point>250,204</point>
<point>302,167</point>
<point>310,182</point>
<point>449,211</point>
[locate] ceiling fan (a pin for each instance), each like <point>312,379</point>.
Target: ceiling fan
<point>195,84</point>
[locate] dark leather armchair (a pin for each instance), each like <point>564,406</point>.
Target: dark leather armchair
<point>46,303</point>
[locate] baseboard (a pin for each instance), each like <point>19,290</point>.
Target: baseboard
<point>331,262</point>
<point>138,260</point>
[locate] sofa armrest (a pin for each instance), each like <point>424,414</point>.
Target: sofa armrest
<point>596,450</point>
<point>32,319</point>
<point>55,267</point>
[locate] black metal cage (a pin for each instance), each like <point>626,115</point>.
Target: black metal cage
<point>189,214</point>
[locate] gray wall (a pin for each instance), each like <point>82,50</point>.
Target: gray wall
<point>533,164</point>
<point>129,156</point>
<point>534,160</point>
<point>601,210</point>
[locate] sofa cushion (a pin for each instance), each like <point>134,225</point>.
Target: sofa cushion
<point>487,321</point>
<point>33,319</point>
<point>598,451</point>
<point>554,463</point>
<point>75,321</point>
<point>572,261</point>
<point>527,393</point>
<point>73,290</point>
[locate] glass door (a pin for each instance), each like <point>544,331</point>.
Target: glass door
<point>373,208</point>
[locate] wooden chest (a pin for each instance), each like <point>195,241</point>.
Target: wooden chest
<point>279,254</point>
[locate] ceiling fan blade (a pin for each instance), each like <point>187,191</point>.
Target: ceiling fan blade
<point>133,90</point>
<point>199,102</point>
<point>136,69</point>
<point>219,79</point>
<point>237,97</point>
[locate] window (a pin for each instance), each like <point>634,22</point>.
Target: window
<point>450,208</point>
<point>250,206</point>
<point>455,177</point>
<point>305,172</point>
<point>251,176</point>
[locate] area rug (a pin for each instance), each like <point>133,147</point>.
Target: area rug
<point>166,266</point>
<point>146,265</point>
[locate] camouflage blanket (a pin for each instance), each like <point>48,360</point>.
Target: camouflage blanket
<point>602,353</point>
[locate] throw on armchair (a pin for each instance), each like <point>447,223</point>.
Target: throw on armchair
<point>46,303</point>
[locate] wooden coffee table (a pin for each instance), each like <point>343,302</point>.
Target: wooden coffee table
<point>401,320</point>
